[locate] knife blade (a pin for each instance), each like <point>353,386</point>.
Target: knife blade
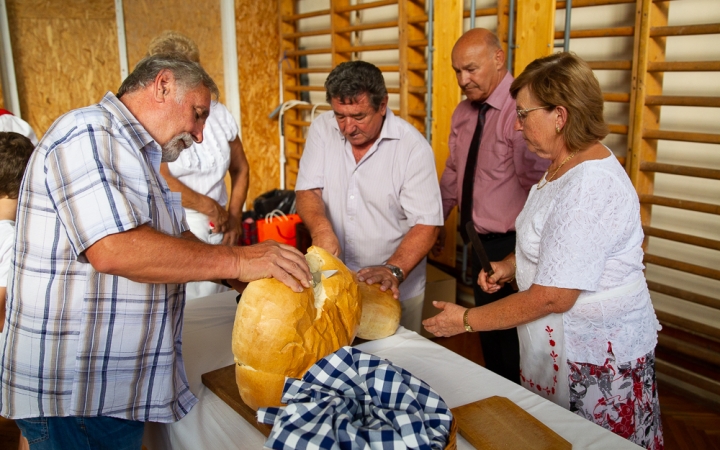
<point>479,248</point>
<point>317,276</point>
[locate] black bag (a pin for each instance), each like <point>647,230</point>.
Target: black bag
<point>284,200</point>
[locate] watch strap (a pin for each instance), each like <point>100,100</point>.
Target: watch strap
<point>397,272</point>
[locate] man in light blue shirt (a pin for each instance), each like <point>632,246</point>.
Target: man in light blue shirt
<point>102,252</point>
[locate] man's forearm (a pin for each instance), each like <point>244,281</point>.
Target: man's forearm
<point>311,208</point>
<point>146,255</point>
<point>190,199</point>
<point>238,194</point>
<point>414,247</point>
<point>239,178</point>
<point>448,190</point>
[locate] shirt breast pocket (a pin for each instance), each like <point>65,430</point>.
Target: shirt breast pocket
<point>494,162</point>
<point>163,214</point>
<point>395,207</point>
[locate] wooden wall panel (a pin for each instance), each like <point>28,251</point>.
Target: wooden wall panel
<point>199,20</point>
<point>535,31</point>
<point>65,54</point>
<point>446,96</point>
<point>259,90</point>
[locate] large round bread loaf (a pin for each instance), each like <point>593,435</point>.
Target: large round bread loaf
<point>380,312</point>
<point>279,333</point>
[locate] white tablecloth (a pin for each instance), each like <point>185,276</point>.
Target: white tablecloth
<point>212,424</point>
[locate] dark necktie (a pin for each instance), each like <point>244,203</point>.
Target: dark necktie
<point>466,202</point>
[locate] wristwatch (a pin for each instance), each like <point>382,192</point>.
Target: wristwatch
<point>397,272</point>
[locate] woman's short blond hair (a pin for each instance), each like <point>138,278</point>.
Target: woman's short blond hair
<point>564,79</point>
<point>172,42</point>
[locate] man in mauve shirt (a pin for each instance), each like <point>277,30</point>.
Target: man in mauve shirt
<point>504,173</point>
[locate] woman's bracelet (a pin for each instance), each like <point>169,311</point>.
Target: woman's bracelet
<point>514,267</point>
<point>466,324</point>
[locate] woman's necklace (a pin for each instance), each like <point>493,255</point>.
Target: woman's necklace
<point>549,179</point>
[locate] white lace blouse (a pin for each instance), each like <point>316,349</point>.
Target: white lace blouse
<point>582,231</point>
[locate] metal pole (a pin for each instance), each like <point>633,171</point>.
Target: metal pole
<point>511,35</point>
<point>122,43</point>
<point>7,66</point>
<point>472,14</point>
<point>568,11</point>
<point>428,98</point>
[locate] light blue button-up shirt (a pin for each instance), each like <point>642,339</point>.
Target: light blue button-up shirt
<point>79,342</point>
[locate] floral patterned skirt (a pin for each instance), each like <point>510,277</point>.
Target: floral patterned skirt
<point>620,397</point>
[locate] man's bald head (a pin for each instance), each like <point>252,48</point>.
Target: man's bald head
<point>479,63</point>
<point>479,37</point>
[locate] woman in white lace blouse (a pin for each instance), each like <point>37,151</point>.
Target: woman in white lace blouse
<point>586,324</point>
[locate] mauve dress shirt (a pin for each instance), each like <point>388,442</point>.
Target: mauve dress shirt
<point>506,169</point>
<point>373,204</point>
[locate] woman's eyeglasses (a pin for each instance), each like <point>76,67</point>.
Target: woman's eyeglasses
<point>523,113</point>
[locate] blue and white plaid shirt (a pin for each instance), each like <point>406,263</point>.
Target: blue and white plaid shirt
<point>355,400</point>
<point>79,342</point>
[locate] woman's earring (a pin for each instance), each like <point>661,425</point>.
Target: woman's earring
<point>557,129</point>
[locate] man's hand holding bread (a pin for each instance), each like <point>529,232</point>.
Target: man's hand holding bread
<point>380,275</point>
<point>272,260</point>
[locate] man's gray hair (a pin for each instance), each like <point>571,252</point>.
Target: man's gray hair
<point>188,74</point>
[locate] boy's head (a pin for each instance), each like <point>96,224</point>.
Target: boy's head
<point>15,151</point>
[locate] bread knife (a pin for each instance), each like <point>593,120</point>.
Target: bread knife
<point>479,248</point>
<point>317,276</point>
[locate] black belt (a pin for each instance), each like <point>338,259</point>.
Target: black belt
<point>493,236</point>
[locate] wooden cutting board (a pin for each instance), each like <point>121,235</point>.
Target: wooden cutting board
<point>222,383</point>
<point>498,423</point>
<point>492,423</point>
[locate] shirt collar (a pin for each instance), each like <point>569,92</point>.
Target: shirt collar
<point>128,123</point>
<point>500,93</point>
<point>389,130</point>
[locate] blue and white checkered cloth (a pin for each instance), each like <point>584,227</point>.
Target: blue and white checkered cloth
<point>354,400</point>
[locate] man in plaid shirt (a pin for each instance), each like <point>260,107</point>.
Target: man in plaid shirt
<point>95,304</point>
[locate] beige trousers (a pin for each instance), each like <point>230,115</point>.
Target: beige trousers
<point>412,312</point>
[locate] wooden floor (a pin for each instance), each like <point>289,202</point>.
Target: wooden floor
<point>687,425</point>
